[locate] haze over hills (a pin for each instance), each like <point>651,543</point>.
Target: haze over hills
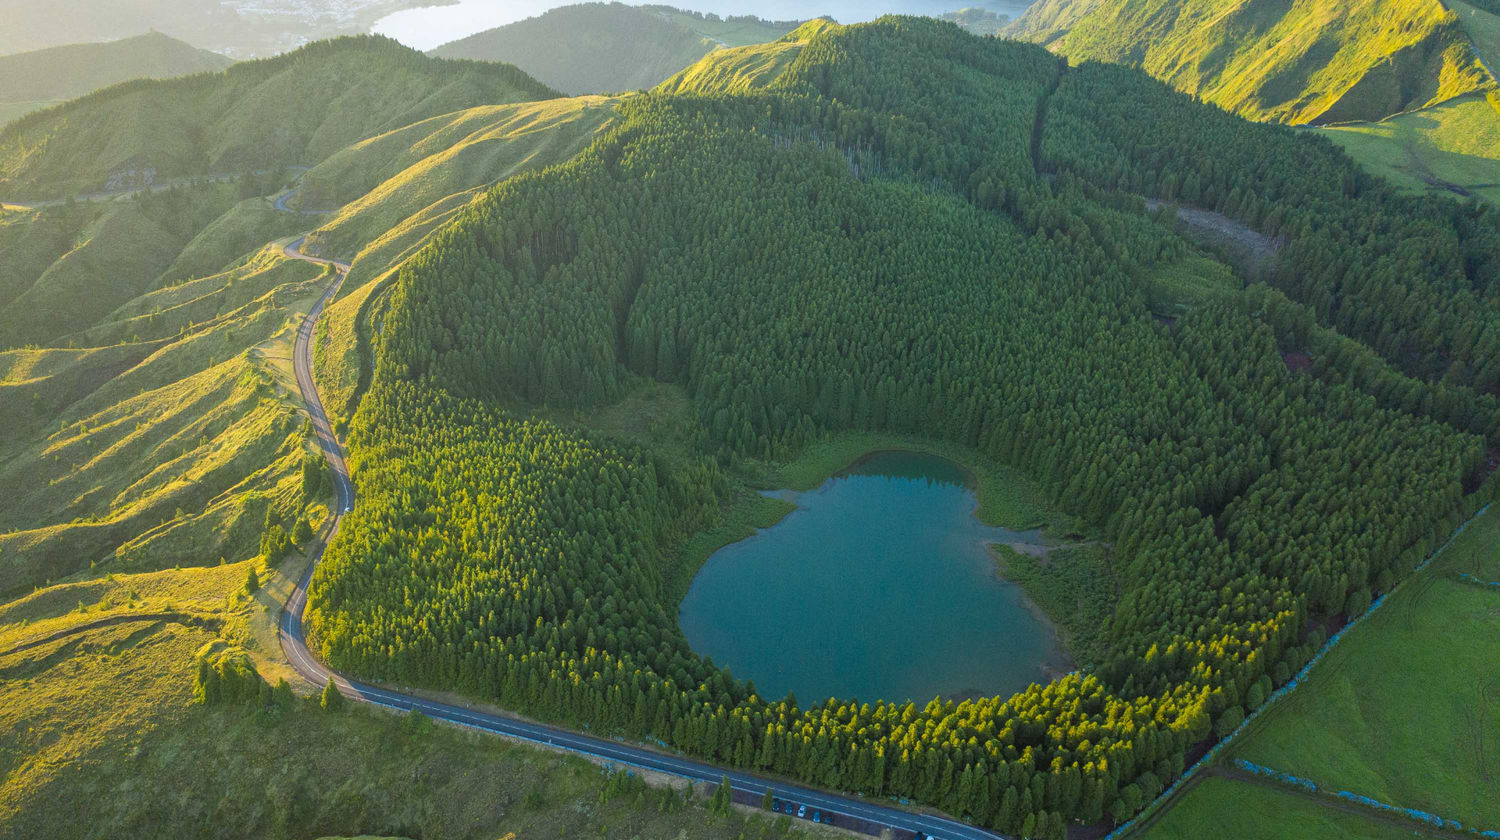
<point>293,109</point>
<point>29,81</point>
<point>238,28</point>
<point>1305,61</point>
<point>602,48</point>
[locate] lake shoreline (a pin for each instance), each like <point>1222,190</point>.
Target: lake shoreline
<point>890,568</point>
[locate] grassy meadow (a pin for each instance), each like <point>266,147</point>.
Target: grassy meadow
<point>1231,809</point>
<point>1455,144</point>
<point>1407,709</point>
<point>99,738</point>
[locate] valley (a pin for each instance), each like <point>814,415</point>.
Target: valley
<point>1033,424</point>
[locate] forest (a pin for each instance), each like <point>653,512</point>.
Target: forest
<point>920,231</point>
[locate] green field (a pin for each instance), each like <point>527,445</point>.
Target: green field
<point>1231,809</point>
<point>1455,144</point>
<point>1407,708</point>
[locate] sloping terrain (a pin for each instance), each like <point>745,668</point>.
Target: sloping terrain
<point>1294,61</point>
<point>413,181</point>
<point>910,230</point>
<point>34,80</point>
<point>1452,148</point>
<point>607,48</point>
<point>294,109</point>
<point>886,228</point>
<point>747,68</point>
<point>74,265</point>
<point>167,443</point>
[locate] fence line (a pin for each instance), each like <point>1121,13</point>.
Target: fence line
<point>1279,693</point>
<point>1360,799</point>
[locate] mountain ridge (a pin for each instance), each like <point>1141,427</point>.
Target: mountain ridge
<point>1293,61</point>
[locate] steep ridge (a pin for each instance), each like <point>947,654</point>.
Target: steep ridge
<point>1293,61</point>
<point>297,108</point>
<point>745,69</point>
<point>29,81</point>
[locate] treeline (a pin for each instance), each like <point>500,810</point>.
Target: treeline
<point>1414,278</point>
<point>746,249</point>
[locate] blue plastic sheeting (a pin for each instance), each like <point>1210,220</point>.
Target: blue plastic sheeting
<point>1291,686</point>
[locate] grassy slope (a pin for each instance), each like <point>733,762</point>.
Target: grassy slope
<point>166,443</point>
<point>45,77</point>
<point>1224,808</point>
<point>1295,61</point>
<point>1407,709</point>
<point>386,179</point>
<point>1483,27</point>
<point>600,48</point>
<point>416,180</point>
<point>76,265</point>
<point>1456,143</point>
<point>98,738</point>
<point>297,108</point>
<point>744,69</point>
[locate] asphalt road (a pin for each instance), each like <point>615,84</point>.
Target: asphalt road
<point>294,645</point>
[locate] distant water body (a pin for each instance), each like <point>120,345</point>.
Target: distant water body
<point>432,26</point>
<point>879,586</point>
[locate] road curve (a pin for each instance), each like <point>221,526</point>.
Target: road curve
<point>294,645</point>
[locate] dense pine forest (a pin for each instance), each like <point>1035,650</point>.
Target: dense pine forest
<point>919,231</point>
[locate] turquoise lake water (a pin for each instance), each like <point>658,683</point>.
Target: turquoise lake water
<point>879,586</point>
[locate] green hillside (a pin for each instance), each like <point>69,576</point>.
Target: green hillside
<point>605,48</point>
<point>1452,148</point>
<point>33,80</point>
<point>294,109</point>
<point>744,69</point>
<point>413,182</point>
<point>579,333</point>
<point>913,231</point>
<point>110,709</point>
<point>74,265</point>
<point>1294,61</point>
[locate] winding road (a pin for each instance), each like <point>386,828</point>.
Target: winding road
<point>847,811</point>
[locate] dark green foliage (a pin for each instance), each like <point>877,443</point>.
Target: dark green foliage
<point>226,676</point>
<point>274,542</point>
<point>252,582</point>
<point>302,531</point>
<point>1414,278</point>
<point>282,695</point>
<point>331,700</point>
<point>316,481</point>
<point>868,248</point>
<point>722,799</point>
<point>1229,720</point>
